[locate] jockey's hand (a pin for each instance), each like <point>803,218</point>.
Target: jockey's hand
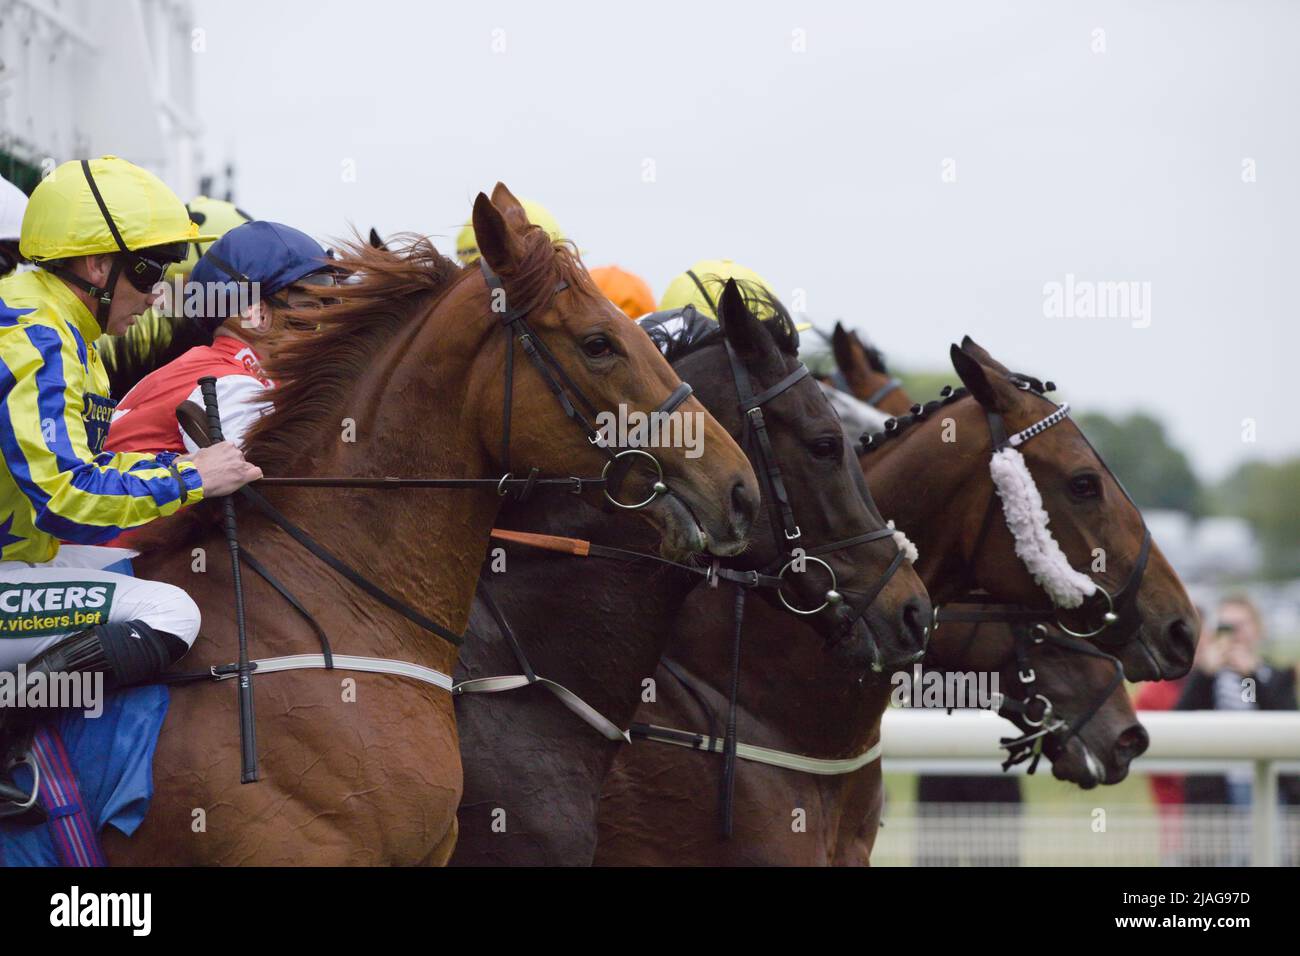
<point>223,468</point>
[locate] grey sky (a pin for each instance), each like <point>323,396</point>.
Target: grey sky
<point>822,169</point>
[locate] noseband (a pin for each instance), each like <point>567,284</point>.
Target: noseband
<point>1118,616</point>
<point>786,529</point>
<point>570,396</point>
<point>1034,708</point>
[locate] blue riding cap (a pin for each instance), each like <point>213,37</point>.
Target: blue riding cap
<point>269,253</point>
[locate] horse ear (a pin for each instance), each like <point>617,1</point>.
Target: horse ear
<point>981,355</point>
<point>375,241</point>
<point>510,207</point>
<point>739,325</point>
<point>496,242</point>
<point>976,378</point>
<point>842,347</point>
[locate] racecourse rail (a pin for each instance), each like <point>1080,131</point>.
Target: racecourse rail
<point>933,741</point>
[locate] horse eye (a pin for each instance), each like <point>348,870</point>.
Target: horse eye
<point>597,346</point>
<point>826,448</point>
<point>1085,486</point>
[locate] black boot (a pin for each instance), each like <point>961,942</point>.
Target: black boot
<point>126,653</point>
<point>17,805</point>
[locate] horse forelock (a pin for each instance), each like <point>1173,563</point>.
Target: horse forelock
<point>530,281</point>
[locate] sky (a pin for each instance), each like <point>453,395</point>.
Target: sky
<point>920,171</point>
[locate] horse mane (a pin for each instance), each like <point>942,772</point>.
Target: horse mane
<point>772,313</point>
<point>384,292</point>
<point>919,413</point>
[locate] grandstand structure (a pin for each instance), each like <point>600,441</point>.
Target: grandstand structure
<point>83,78</point>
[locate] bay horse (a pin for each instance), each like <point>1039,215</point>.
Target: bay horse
<point>403,376</point>
<point>533,770</point>
<point>653,806</point>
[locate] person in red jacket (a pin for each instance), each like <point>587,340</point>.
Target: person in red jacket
<point>237,288</point>
<point>1166,788</point>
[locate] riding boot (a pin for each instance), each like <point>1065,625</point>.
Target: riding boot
<point>128,652</point>
<point>17,805</point>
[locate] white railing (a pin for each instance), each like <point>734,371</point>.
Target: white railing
<point>924,741</point>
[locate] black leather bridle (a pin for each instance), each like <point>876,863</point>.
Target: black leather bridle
<point>788,534</point>
<point>786,530</point>
<point>1120,620</point>
<point>1118,614</point>
<point>1033,708</point>
<point>575,404</point>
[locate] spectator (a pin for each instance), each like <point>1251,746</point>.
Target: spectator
<point>1230,674</point>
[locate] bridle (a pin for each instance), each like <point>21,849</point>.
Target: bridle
<point>1034,709</point>
<point>575,404</point>
<point>1120,620</point>
<point>1030,627</point>
<point>786,530</point>
<point>792,556</point>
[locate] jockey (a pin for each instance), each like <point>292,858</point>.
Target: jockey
<point>627,291</point>
<point>214,217</point>
<point>159,335</point>
<point>102,233</point>
<point>13,201</point>
<point>538,215</point>
<point>702,283</point>
<point>269,262</point>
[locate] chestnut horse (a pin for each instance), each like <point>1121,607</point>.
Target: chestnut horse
<point>653,807</point>
<point>402,378</point>
<point>533,770</point>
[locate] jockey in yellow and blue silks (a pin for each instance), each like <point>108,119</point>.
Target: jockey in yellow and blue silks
<point>102,233</point>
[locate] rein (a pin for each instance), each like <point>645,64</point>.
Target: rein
<point>1035,709</point>
<point>572,401</point>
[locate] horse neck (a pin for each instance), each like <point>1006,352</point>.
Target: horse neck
<point>408,422</point>
<point>937,504</point>
<point>805,698</point>
<point>596,625</point>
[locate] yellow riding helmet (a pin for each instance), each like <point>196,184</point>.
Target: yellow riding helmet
<point>215,216</point>
<point>702,283</point>
<point>64,218</point>
<point>538,215</point>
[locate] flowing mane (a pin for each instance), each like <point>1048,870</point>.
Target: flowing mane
<point>384,292</point>
<point>387,289</point>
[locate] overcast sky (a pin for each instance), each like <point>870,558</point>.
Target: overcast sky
<point>920,170</point>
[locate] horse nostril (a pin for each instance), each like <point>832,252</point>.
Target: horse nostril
<point>1132,743</point>
<point>744,506</point>
<point>916,618</point>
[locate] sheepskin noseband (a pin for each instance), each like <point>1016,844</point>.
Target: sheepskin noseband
<point>1027,520</point>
